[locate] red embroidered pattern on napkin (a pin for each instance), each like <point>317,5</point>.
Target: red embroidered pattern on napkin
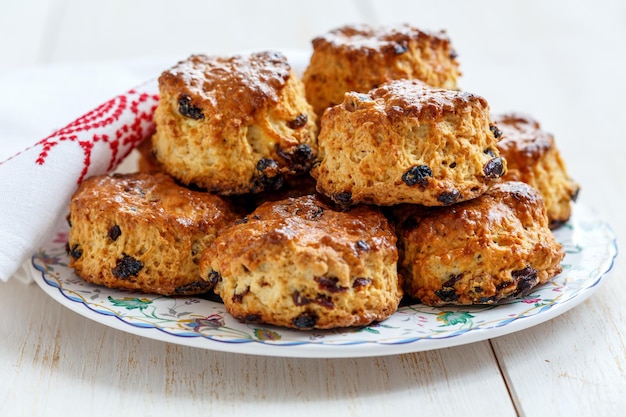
<point>96,126</point>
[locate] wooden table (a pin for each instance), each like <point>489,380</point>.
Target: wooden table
<point>563,62</point>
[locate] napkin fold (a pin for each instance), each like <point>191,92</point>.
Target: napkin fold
<point>37,183</point>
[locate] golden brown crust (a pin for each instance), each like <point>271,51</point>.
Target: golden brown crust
<point>361,57</point>
<point>300,263</point>
<point>146,161</point>
<point>483,251</point>
<point>407,143</point>
<point>143,232</point>
<point>234,124</point>
<point>532,157</point>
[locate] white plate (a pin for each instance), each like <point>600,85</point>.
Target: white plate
<point>590,247</point>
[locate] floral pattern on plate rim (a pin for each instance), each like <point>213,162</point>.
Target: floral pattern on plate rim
<point>589,243</point>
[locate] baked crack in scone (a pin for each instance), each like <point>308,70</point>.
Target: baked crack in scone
<point>533,157</point>
<point>407,143</point>
<point>495,247</point>
<point>143,232</point>
<point>300,263</point>
<point>234,124</point>
<point>361,57</point>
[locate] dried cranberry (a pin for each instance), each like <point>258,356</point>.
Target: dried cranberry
<point>187,109</point>
<point>417,175</point>
<point>127,267</point>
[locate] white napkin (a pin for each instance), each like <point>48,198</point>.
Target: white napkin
<point>37,183</point>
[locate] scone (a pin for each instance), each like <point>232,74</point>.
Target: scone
<point>143,232</point>
<point>234,124</point>
<point>533,157</point>
<point>407,143</point>
<point>361,57</point>
<point>146,161</point>
<point>495,247</point>
<point>300,263</point>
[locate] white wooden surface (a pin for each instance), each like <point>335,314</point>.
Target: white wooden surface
<point>562,61</point>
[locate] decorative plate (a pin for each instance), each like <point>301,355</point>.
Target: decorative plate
<point>589,243</point>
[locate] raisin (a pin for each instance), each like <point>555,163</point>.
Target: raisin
<point>300,158</point>
<point>270,177</point>
<point>330,284</point>
<point>527,279</point>
<point>300,121</point>
<point>361,282</point>
<point>126,267</point>
<point>214,277</point>
<point>496,132</point>
<point>494,168</point>
<point>243,220</point>
<point>447,294</point>
<point>189,110</point>
<point>69,221</point>
<point>417,175</point>
<point>250,318</point>
<point>114,232</point>
<point>453,54</point>
<point>453,165</point>
<point>75,251</point>
<point>193,287</point>
<point>299,299</point>
<point>344,199</point>
<point>305,321</point>
<point>453,279</point>
<point>362,245</point>
<point>448,198</point>
<point>324,300</point>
